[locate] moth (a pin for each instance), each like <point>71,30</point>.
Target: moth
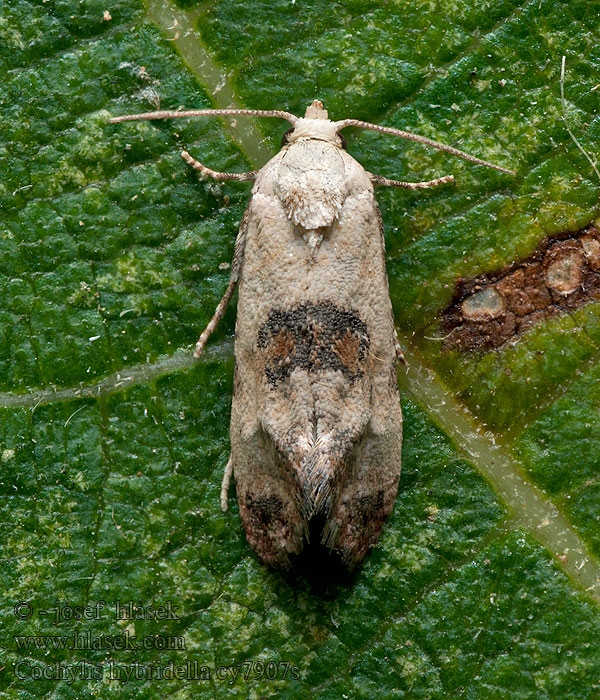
<point>316,422</point>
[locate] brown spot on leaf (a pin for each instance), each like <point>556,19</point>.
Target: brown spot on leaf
<point>562,274</point>
<point>565,266</point>
<point>591,250</point>
<point>485,304</point>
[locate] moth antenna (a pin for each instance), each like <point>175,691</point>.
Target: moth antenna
<point>380,180</point>
<point>250,175</point>
<point>174,114</point>
<point>420,139</point>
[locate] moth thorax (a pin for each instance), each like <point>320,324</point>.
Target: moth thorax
<point>312,199</point>
<point>315,128</point>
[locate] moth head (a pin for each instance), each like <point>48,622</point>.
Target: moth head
<point>315,125</point>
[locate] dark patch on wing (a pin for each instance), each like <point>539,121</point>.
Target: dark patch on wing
<point>361,528</point>
<point>313,337</point>
<point>264,510</point>
<point>272,527</point>
<point>562,274</point>
<point>369,508</point>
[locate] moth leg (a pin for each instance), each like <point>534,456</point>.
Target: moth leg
<point>250,175</point>
<point>217,316</point>
<point>236,266</point>
<point>225,483</point>
<point>380,180</point>
<point>399,353</point>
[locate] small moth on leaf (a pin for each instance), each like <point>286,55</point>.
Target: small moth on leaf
<point>316,424</point>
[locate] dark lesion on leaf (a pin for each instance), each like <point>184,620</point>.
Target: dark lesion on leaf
<point>562,274</point>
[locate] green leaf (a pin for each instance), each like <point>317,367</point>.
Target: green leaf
<point>486,581</point>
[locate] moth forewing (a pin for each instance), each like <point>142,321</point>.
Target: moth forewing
<point>316,423</point>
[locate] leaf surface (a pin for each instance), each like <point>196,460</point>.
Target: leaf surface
<point>485,583</point>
